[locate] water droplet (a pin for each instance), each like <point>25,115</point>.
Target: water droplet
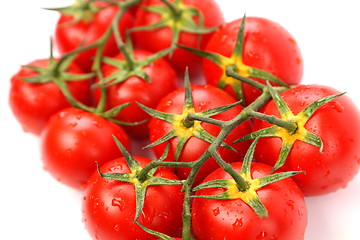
<point>73,124</point>
<point>337,106</point>
<point>238,223</point>
<point>261,235</point>
<point>147,219</point>
<point>169,103</point>
<point>202,105</point>
<point>291,203</point>
<point>78,116</point>
<point>118,202</point>
<point>216,211</point>
<point>117,227</point>
<point>97,124</point>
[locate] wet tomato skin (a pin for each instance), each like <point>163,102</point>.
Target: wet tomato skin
<point>163,79</point>
<point>109,206</point>
<point>205,97</point>
<point>260,50</point>
<point>234,219</point>
<point>33,103</point>
<point>159,39</point>
<point>74,140</point>
<point>71,35</point>
<point>337,123</point>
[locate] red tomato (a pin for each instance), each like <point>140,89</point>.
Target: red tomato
<point>174,238</point>
<point>234,219</point>
<point>267,46</point>
<point>204,97</point>
<point>33,103</point>
<point>134,89</point>
<point>337,123</point>
<point>161,38</point>
<point>73,140</point>
<point>70,35</point>
<point>109,206</point>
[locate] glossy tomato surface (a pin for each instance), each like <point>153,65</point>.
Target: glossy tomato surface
<point>337,123</point>
<point>70,34</point>
<point>109,206</point>
<point>161,38</point>
<point>267,46</point>
<point>204,97</point>
<point>74,140</point>
<point>33,103</point>
<point>163,80</point>
<point>234,219</point>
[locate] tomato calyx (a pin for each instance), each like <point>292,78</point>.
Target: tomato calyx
<point>80,10</point>
<point>289,127</point>
<point>178,17</point>
<point>235,71</point>
<point>188,123</point>
<point>55,71</point>
<point>248,191</point>
<point>129,66</point>
<point>140,179</point>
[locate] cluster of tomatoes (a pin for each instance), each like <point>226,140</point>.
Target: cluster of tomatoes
<point>233,157</point>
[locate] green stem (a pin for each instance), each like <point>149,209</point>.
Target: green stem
<point>193,117</point>
<point>187,188</point>
<point>288,125</point>
<point>227,127</point>
<point>176,12</point>
<point>187,122</point>
<point>154,164</point>
<point>240,181</point>
<point>70,98</point>
<point>102,102</point>
<point>230,72</point>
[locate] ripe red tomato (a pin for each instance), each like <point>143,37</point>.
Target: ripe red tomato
<point>33,103</point>
<point>337,123</point>
<point>134,89</point>
<point>162,38</point>
<point>234,219</point>
<point>267,46</point>
<point>73,140</point>
<point>204,97</point>
<point>70,35</point>
<point>109,206</point>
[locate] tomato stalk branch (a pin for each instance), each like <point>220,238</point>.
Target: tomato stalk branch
<point>291,126</point>
<point>231,72</point>
<point>193,117</point>
<point>227,127</point>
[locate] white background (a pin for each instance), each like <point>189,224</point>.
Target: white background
<point>34,206</point>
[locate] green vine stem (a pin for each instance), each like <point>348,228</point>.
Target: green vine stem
<point>227,127</point>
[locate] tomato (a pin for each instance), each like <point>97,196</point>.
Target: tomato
<point>162,38</point>
<point>204,97</point>
<point>262,38</point>
<point>234,219</point>
<point>109,205</point>
<point>163,80</point>
<point>73,140</point>
<point>336,123</point>
<point>33,103</point>
<point>73,31</point>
